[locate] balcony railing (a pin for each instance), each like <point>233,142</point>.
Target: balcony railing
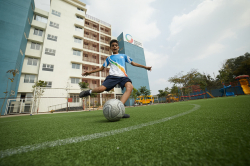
<point>104,41</point>
<point>91,37</point>
<point>94,58</point>
<point>90,48</point>
<point>97,20</point>
<point>105,32</point>
<point>89,26</point>
<point>105,51</point>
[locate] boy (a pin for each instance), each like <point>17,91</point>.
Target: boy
<point>117,74</point>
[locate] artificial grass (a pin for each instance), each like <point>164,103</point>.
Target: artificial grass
<point>216,134</point>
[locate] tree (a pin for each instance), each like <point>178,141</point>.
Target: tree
<point>144,91</point>
<point>11,78</point>
<point>38,90</point>
<point>83,85</point>
<point>134,93</point>
<point>234,67</point>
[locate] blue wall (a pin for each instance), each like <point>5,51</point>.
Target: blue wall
<point>138,76</point>
<point>13,23</point>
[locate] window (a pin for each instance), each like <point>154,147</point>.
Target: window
<point>76,52</point>
<point>80,9</point>
<point>47,67</point>
<point>35,46</point>
<point>75,98</point>
<point>85,68</point>
<point>77,40</point>
<point>79,18</point>
<point>75,66</point>
<point>53,24</point>
<point>78,28</point>
<point>40,18</point>
<point>32,61</point>
<point>38,32</point>
<point>29,78</point>
<point>50,51</point>
<point>56,13</point>
<point>94,82</point>
<point>52,37</point>
<point>75,80</point>
<point>48,84</point>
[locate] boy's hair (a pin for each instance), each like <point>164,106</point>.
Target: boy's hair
<point>113,41</point>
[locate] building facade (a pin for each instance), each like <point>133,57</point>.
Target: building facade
<point>134,49</point>
<point>60,45</point>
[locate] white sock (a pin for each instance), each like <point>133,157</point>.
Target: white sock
<point>90,91</point>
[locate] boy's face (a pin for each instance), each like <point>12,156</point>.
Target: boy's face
<point>115,48</point>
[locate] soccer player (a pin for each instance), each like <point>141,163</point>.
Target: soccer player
<point>117,74</point>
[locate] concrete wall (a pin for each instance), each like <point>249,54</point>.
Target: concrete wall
<point>13,24</point>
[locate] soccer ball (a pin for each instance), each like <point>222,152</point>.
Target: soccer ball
<point>113,110</point>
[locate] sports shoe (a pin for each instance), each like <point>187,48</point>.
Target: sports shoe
<point>126,116</point>
<point>84,93</point>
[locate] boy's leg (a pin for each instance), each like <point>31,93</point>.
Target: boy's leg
<point>95,90</point>
<point>125,96</point>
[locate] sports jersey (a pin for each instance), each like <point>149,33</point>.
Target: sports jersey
<point>117,64</point>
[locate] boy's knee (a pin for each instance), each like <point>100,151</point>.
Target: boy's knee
<point>102,89</point>
<point>129,86</point>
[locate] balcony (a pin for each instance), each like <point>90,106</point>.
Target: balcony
<point>91,25</point>
<point>90,57</point>
<point>105,39</point>
<point>105,30</point>
<point>105,49</point>
<point>92,82</point>
<point>90,68</point>
<point>89,45</point>
<point>91,35</point>
<point>105,72</point>
<point>103,58</point>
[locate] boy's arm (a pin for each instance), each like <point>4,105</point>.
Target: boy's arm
<point>93,71</point>
<point>139,65</point>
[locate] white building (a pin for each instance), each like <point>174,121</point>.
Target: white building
<point>62,44</point>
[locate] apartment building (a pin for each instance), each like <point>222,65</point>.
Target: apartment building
<point>61,44</point>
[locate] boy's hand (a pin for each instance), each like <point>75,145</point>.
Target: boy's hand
<point>149,68</point>
<point>86,73</point>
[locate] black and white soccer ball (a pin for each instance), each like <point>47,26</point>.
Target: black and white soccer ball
<point>113,110</point>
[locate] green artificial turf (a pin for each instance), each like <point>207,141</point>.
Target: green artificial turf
<point>218,133</point>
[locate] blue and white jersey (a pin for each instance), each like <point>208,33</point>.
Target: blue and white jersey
<point>117,64</point>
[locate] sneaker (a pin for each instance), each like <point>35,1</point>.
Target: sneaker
<point>84,93</point>
<point>126,116</point>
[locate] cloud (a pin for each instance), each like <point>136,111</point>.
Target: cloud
<point>204,31</point>
<point>155,60</point>
<point>129,16</point>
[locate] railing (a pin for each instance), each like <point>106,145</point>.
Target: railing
<point>105,74</point>
<point>90,37</point>
<point>105,32</point>
<point>104,41</point>
<point>57,107</point>
<point>97,20</point>
<point>90,48</point>
<point>90,60</point>
<point>104,51</point>
<point>91,27</point>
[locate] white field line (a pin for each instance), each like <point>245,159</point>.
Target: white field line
<point>37,118</point>
<point>29,148</point>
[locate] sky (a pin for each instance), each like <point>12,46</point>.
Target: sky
<point>178,35</point>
